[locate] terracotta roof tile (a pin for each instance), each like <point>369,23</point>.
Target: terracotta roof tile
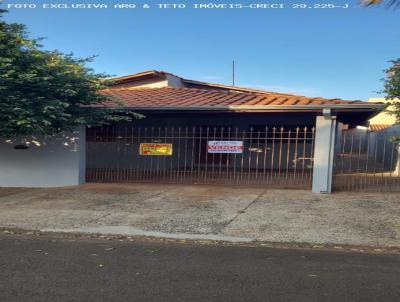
<point>378,127</point>
<point>202,98</point>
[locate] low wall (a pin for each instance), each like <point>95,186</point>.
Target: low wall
<point>56,161</point>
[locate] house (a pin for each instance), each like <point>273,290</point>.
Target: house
<point>382,120</point>
<point>368,157</point>
<point>196,132</point>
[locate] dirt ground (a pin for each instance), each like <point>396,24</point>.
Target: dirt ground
<point>207,212</point>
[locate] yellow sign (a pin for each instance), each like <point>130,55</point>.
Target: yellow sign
<point>155,149</point>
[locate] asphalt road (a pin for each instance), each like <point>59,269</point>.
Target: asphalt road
<point>54,269</point>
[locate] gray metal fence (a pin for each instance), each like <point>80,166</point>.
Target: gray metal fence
<point>260,155</point>
<point>366,161</point>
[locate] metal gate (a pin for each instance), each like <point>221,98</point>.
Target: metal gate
<point>261,155</point>
<point>366,161</point>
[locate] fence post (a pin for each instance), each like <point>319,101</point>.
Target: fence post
<point>325,130</point>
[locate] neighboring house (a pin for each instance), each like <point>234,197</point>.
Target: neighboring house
<point>384,119</point>
<point>368,157</point>
<point>196,132</point>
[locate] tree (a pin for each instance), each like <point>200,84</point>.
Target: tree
<point>392,91</point>
<point>392,88</point>
<point>47,92</point>
<point>390,3</point>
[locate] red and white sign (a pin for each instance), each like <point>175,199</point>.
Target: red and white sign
<point>225,147</point>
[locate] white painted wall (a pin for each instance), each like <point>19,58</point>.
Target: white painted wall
<point>58,161</point>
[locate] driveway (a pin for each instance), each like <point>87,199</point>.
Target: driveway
<point>207,212</point>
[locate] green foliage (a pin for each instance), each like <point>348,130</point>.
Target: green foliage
<point>388,3</point>
<point>392,88</point>
<point>47,92</point>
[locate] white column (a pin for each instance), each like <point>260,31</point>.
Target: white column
<point>325,131</point>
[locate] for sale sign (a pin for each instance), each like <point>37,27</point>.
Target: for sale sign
<point>225,147</point>
<point>155,149</point>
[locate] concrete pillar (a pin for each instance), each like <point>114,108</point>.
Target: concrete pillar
<point>325,130</point>
<point>43,162</point>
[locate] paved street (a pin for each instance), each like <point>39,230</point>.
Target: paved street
<point>83,269</point>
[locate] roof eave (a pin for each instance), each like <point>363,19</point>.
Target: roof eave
<point>138,76</point>
<point>373,107</point>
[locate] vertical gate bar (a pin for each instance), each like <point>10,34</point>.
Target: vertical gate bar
<point>95,154</point>
<point>228,157</point>
<point>235,155</point>
<point>206,155</point>
<point>265,152</point>
<point>221,154</point>
<point>133,160</point>
<point>146,157</point>
<point>171,158</point>
<point>359,152</point>
<point>199,155</point>
<point>178,177</point>
<point>102,140</point>
<point>125,175</point>
<point>107,145</point>
<point>351,151</point>
<point>122,160</point>
<point>88,149</point>
<point>366,182</point>
<point>257,155</point>
<point>343,155</point>
<point>393,147</point>
<point>157,172</point>
<point>213,155</point>
<point>111,142</point>
<point>126,158</point>
<point>118,137</point>
<point>356,177</point>
<point>185,160</point>
<point>117,143</point>
<point>139,166</point>
<point>164,160</point>
<point>192,157</point>
<point>110,170</point>
<point>272,155</point>
<point>287,156</point>
<point>95,158</point>
<point>122,152</point>
<point>304,153</point>
<point>375,161</point>
<point>312,154</point>
<point>150,172</point>
<point>347,158</point>
<point>104,143</point>
<point>351,179</point>
<point>250,154</point>
<point>383,160</point>
<point>296,154</point>
<point>280,153</point>
<point>242,159</point>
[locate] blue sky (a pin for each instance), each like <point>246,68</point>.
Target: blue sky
<point>315,52</point>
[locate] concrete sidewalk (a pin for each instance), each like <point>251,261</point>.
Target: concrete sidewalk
<point>207,212</point>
